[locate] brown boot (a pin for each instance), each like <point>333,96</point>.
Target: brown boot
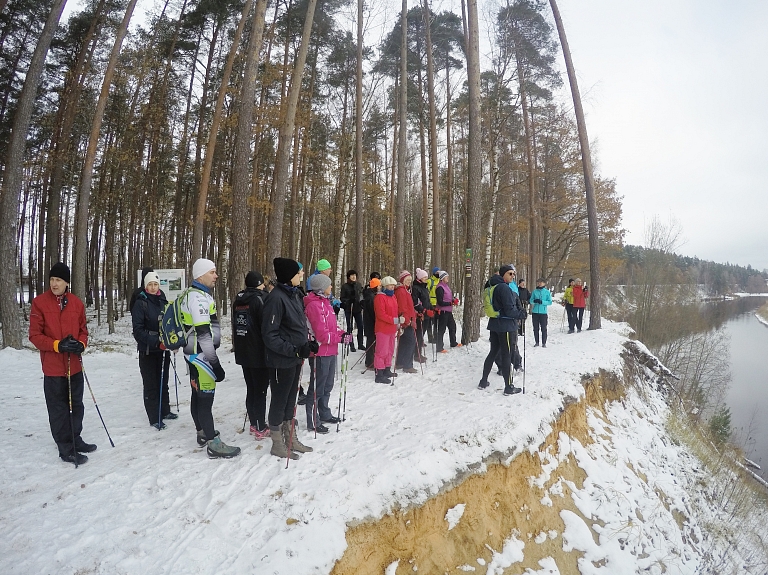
<point>278,444</point>
<point>293,442</point>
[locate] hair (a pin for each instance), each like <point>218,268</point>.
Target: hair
<point>351,273</point>
<point>376,275</point>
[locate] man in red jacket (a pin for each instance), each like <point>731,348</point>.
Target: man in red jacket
<point>57,328</point>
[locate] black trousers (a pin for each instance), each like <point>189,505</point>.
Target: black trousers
<point>445,319</point>
<point>430,325</point>
<point>571,313</point>
<point>539,322</point>
<point>501,352</point>
<point>201,405</point>
<point>57,401</point>
<point>153,366</point>
<point>370,343</point>
<point>418,351</point>
<point>406,348</point>
<point>357,315</point>
<point>578,313</point>
<point>285,386</point>
<point>515,357</point>
<point>256,385</point>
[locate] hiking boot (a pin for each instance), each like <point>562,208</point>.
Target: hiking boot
<point>294,442</point>
<point>389,373</point>
<point>217,448</point>
<point>457,345</point>
<point>511,390</point>
<point>83,447</point>
<point>543,345</point>
<point>263,434</point>
<point>319,428</point>
<point>201,440</point>
<point>381,377</point>
<point>410,370</point>
<point>278,444</point>
<point>443,351</point>
<point>75,458</point>
<point>352,348</point>
<point>536,344</point>
<point>333,420</point>
<point>159,425</point>
<point>483,384</point>
<point>171,415</point>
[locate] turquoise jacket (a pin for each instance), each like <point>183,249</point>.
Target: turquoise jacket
<point>545,297</point>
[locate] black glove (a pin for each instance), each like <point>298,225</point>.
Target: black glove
<point>303,351</point>
<point>70,345</point>
<point>219,372</point>
<point>538,301</point>
<point>314,347</point>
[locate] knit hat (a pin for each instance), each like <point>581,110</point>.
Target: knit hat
<point>151,277</point>
<point>253,279</point>
<point>442,275</point>
<point>202,267</point>
<point>318,283</point>
<point>285,269</point>
<point>403,274</point>
<point>505,268</point>
<point>59,270</point>
<point>374,283</point>
<point>323,265</point>
<point>421,274</point>
<point>388,281</point>
<point>435,269</point>
<point>144,272</point>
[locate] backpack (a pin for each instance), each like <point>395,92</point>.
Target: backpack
<point>241,316</point>
<point>172,332</point>
<point>490,311</point>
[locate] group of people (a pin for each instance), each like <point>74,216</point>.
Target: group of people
<point>575,300</point>
<point>277,325</point>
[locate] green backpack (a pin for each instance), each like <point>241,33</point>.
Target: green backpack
<point>490,311</point>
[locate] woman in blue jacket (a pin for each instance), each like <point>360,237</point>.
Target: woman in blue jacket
<point>541,299</point>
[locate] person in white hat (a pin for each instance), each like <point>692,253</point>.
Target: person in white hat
<point>201,322</point>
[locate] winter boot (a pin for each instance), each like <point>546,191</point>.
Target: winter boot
<point>75,458</point>
<point>389,373</point>
<point>83,447</point>
<point>511,390</point>
<point>483,384</point>
<point>201,440</point>
<point>381,377</point>
<point>217,448</point>
<point>293,442</point>
<point>278,444</point>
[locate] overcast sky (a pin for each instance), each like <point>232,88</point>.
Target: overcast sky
<point>676,95</point>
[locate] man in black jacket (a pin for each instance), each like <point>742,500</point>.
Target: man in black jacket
<point>247,312</point>
<point>369,317</point>
<point>352,304</point>
<point>287,345</point>
<point>503,327</point>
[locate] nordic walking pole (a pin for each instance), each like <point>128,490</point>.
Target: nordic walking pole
<point>160,395</point>
<point>418,350</point>
<point>93,397</point>
<point>345,379</point>
<point>394,361</point>
<point>354,365</point>
<point>524,339</point>
<point>293,419</point>
<point>246,417</point>
<point>71,416</point>
<point>338,412</point>
<point>341,415</point>
<point>176,377</point>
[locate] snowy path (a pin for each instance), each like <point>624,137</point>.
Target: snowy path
<point>155,503</point>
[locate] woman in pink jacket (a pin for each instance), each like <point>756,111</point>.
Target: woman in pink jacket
<point>322,324</point>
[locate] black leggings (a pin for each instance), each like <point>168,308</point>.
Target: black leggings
<point>151,366</point>
<point>445,319</point>
<point>285,386</point>
<point>501,349</point>
<point>256,386</point>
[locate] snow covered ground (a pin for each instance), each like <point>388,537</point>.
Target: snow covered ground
<point>156,504</point>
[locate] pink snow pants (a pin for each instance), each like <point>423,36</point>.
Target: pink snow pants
<point>385,347</point>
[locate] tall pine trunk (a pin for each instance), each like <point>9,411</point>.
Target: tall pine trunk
<point>357,263</point>
<point>595,320</point>
<point>402,149</point>
<point>80,255</point>
<point>11,192</point>
<point>437,232</point>
<point>288,119</point>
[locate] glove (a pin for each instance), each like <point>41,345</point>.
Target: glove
<point>162,347</point>
<point>70,345</point>
<point>314,347</point>
<point>396,320</point>
<point>347,339</point>
<point>430,313</point>
<point>455,301</point>
<point>218,372</point>
<point>538,301</point>
<point>303,351</point>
